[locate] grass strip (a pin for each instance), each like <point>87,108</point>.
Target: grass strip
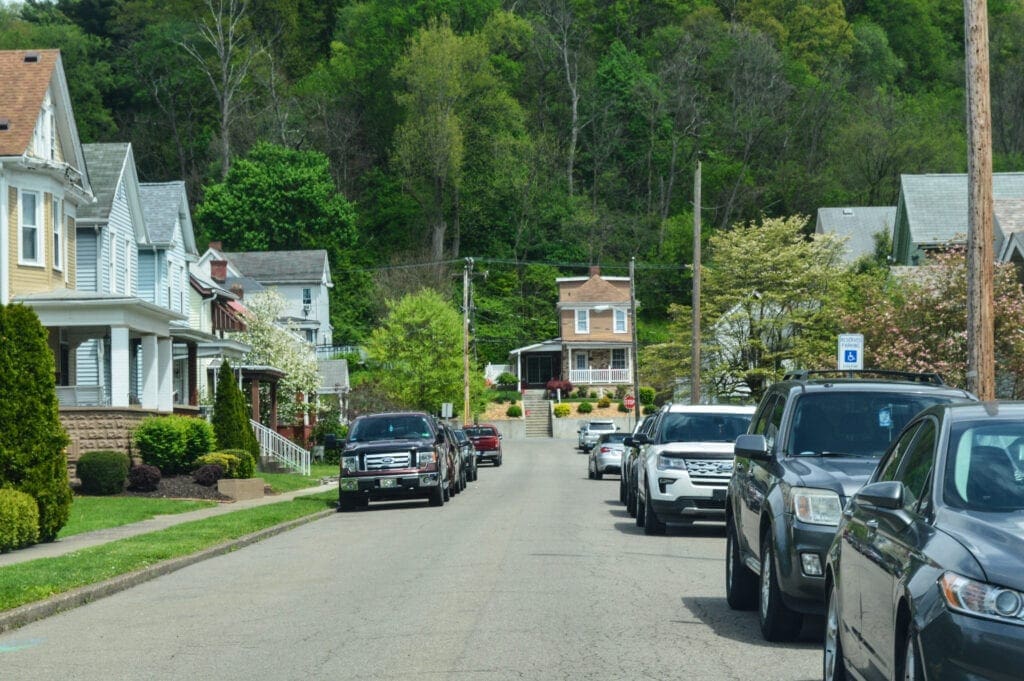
<point>289,482</point>
<point>39,579</point>
<point>99,513</point>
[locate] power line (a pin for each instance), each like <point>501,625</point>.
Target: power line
<point>501,261</point>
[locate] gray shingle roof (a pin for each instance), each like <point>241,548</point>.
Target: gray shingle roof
<point>105,162</point>
<point>278,267</point>
<point>858,225</point>
<point>161,203</point>
<point>936,205</point>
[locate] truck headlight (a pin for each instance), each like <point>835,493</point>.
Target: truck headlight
<point>350,463</point>
<point>979,598</point>
<point>426,458</point>
<point>816,506</point>
<point>671,462</point>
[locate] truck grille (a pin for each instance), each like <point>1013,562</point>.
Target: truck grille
<point>720,469</point>
<point>383,462</point>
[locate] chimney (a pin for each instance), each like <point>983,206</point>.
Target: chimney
<point>238,290</point>
<point>219,270</point>
<point>595,270</point>
<point>216,245</point>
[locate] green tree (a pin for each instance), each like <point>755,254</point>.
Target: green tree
<point>32,440</point>
<point>231,415</point>
<point>418,349</point>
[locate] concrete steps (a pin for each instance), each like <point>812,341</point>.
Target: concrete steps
<point>537,411</point>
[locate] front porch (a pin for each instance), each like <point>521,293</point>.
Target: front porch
<point>600,376</point>
<point>598,364</point>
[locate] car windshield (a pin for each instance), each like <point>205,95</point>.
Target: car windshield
<point>480,432</point>
<point>615,438</point>
<point>390,428</point>
<point>598,425</point>
<point>853,423</point>
<point>703,427</point>
<point>985,466</point>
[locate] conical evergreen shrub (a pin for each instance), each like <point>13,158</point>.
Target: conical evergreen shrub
<point>231,415</point>
<point>32,440</point>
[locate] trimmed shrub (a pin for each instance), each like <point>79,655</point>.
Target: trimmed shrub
<point>623,408</point>
<point>199,439</point>
<point>500,396</point>
<point>562,410</point>
<point>102,472</point>
<point>593,395</point>
<point>32,440</point>
<point>229,463</point>
<point>246,463</point>
<point>649,409</point>
<point>231,415</point>
<point>144,478</point>
<point>514,411</point>
<point>584,407</point>
<point>161,442</point>
<point>646,396</point>
<point>604,402</point>
<point>19,520</point>
<point>507,381</point>
<point>582,391</point>
<point>208,475</point>
<point>558,384</point>
<point>620,391</point>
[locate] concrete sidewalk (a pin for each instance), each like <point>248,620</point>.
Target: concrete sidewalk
<point>85,540</point>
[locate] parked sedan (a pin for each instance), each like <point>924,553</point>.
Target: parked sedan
<point>923,578</point>
<point>468,453</point>
<point>606,455</point>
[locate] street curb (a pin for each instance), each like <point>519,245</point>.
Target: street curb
<point>32,612</point>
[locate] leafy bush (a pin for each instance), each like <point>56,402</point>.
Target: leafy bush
<point>620,391</point>
<point>507,381</point>
<point>593,395</point>
<point>582,391</point>
<point>32,440</point>
<point>584,407</point>
<point>19,520</point>
<point>562,410</point>
<point>623,408</point>
<point>199,439</point>
<point>646,396</point>
<point>500,396</point>
<point>604,402</point>
<point>102,472</point>
<point>558,384</point>
<point>144,478</point>
<point>208,475</point>
<point>649,409</point>
<point>246,462</point>
<point>514,411</point>
<point>161,441</point>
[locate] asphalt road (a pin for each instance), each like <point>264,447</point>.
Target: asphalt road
<point>535,572</point>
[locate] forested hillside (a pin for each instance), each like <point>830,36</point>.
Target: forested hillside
<point>536,136</point>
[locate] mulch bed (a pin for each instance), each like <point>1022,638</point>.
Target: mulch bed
<point>180,487</point>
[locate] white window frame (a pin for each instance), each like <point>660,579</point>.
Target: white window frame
<point>57,220</point>
<point>40,254</point>
<point>582,321</point>
<point>619,315</point>
<point>625,360</point>
<point>582,360</point>
<point>307,296</point>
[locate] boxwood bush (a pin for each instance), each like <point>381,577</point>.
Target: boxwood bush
<point>562,410</point>
<point>102,472</point>
<point>514,411</point>
<point>173,443</point>
<point>604,402</point>
<point>237,463</point>
<point>19,520</point>
<point>584,407</point>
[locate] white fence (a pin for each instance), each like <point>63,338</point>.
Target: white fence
<point>280,448</point>
<point>599,376</point>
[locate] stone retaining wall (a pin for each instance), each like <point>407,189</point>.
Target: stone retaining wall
<point>92,429</point>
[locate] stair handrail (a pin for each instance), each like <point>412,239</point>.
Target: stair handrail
<point>279,448</point>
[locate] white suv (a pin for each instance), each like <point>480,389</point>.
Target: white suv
<point>591,430</point>
<point>685,464</point>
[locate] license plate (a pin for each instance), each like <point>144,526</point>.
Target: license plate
<point>390,482</point>
<point>718,494</point>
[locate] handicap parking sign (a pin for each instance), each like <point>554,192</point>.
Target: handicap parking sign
<point>850,352</point>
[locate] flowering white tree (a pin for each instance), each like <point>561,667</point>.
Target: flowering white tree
<point>280,347</point>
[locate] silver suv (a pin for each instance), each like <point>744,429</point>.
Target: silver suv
<point>685,464</point>
<point>590,431</point>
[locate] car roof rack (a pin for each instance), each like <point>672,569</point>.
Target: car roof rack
<point>931,377</point>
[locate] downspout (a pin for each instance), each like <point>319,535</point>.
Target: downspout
<point>5,290</point>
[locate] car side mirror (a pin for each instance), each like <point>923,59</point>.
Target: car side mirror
<point>886,495</point>
<point>640,439</point>
<point>752,447</point>
<point>629,442</point>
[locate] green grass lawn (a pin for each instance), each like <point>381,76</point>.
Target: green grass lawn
<point>37,580</point>
<point>98,513</point>
<point>289,482</point>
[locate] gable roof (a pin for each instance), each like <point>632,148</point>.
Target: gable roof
<point>936,205</point>
<point>282,267</point>
<point>165,206</point>
<point>596,289</point>
<point>858,225</point>
<point>106,163</point>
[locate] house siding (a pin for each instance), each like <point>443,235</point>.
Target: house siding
<point>601,327</point>
<point>86,259</point>
<point>147,276</point>
<point>32,278</point>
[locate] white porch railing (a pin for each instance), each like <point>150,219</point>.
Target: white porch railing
<point>599,376</point>
<point>277,447</point>
<point>82,396</point>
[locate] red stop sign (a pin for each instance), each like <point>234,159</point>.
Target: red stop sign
<point>628,402</point>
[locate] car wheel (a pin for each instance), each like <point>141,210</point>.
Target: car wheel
<point>446,490</point>
<point>652,523</point>
<point>437,496</point>
<point>346,502</point>
<point>598,475</point>
<point>833,662</point>
<point>740,582</point>
<point>590,470</point>
<point>622,489</point>
<point>497,462</point>
<point>631,500</point>
<point>911,664</point>
<point>778,622</point>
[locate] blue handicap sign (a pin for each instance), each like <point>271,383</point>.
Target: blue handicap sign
<point>850,356</point>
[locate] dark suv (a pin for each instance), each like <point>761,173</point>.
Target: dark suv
<point>396,455</point>
<point>813,441</point>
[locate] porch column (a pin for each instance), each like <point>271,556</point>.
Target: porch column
<point>150,373</point>
<point>193,374</point>
<point>273,406</point>
<point>254,398</point>
<point>120,366</point>
<point>165,374</point>
<point>519,370</point>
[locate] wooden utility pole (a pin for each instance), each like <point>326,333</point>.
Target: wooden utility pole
<point>695,350</point>
<point>632,345</point>
<point>466,416</point>
<point>980,313</point>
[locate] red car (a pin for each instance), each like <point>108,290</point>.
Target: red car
<point>486,441</point>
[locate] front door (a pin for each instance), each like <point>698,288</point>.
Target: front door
<point>538,369</point>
